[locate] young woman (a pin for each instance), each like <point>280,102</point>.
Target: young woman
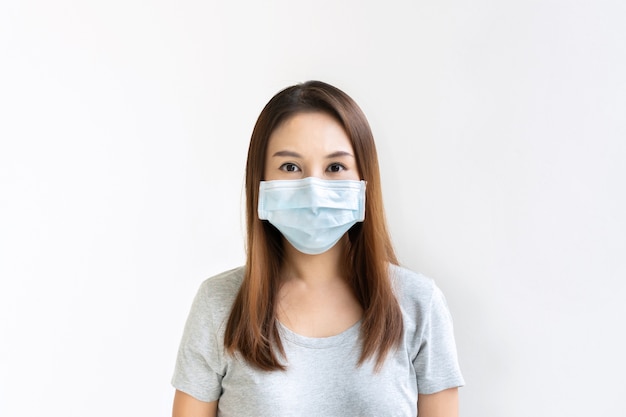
<point>321,321</point>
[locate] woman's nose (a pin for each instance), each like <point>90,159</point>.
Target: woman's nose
<point>314,172</point>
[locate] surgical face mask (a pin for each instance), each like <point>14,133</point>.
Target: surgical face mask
<point>311,213</point>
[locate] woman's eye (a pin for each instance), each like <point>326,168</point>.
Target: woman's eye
<point>289,167</point>
<point>335,168</point>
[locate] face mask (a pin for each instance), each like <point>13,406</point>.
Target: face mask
<point>311,213</point>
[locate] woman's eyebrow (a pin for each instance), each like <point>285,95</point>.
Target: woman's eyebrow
<point>293,154</point>
<point>339,154</point>
<point>288,153</point>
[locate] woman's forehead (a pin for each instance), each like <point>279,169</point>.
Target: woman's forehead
<point>310,132</point>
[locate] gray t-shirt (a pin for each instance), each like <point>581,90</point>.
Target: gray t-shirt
<point>322,377</point>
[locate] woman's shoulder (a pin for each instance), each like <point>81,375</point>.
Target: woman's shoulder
<point>219,291</point>
<point>226,281</point>
<point>406,280</point>
<point>420,299</point>
<point>412,289</point>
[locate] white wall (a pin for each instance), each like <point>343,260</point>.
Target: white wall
<point>124,127</point>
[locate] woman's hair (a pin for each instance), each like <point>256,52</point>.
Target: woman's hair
<point>252,326</point>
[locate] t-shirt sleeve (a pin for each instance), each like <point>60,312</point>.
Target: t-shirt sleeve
<point>436,364</point>
<point>197,370</point>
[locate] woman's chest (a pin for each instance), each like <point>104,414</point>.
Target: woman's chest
<point>325,381</point>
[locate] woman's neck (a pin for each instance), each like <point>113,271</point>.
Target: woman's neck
<point>315,269</point>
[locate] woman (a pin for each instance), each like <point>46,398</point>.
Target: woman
<point>321,321</point>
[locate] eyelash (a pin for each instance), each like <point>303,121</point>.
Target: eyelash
<point>336,164</point>
<point>284,167</point>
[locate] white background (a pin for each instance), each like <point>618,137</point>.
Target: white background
<point>124,126</point>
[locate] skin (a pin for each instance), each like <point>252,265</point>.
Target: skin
<point>315,299</point>
<point>187,406</point>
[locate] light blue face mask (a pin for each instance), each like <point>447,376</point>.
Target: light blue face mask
<point>311,213</point>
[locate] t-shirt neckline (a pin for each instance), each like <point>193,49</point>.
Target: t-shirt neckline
<point>350,333</point>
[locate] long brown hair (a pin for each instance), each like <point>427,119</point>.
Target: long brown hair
<point>251,329</point>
